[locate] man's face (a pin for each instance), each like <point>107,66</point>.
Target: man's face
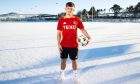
<point>69,10</point>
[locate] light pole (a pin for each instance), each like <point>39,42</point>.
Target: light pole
<point>92,14</point>
<point>92,11</point>
<point>81,15</point>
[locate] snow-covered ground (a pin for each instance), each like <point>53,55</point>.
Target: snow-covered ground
<point>29,55</point>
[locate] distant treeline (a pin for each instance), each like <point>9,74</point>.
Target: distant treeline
<point>117,12</point>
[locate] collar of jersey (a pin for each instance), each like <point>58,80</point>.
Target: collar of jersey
<point>66,17</point>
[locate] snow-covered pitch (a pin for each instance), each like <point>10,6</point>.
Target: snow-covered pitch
<point>29,55</point>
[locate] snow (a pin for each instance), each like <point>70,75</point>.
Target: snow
<point>29,55</point>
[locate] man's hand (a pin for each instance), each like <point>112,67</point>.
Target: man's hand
<point>89,39</point>
<point>59,48</point>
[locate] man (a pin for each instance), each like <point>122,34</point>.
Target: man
<point>67,38</point>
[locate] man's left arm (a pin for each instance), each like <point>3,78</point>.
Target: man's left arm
<point>85,33</point>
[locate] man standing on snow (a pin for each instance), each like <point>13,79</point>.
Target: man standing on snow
<point>68,39</point>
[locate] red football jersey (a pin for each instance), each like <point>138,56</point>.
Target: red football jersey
<point>69,26</point>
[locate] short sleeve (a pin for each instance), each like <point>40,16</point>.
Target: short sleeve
<point>59,27</point>
<point>80,24</point>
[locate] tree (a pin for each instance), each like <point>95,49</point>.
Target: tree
<point>116,9</point>
<point>137,9</point>
<point>85,14</point>
<point>79,14</point>
<point>104,11</point>
<point>98,12</point>
<point>92,9</point>
<point>130,10</point>
<point>61,14</point>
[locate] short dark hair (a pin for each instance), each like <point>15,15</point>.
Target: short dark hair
<point>70,4</point>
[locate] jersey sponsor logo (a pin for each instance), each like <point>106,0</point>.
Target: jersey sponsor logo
<point>69,26</point>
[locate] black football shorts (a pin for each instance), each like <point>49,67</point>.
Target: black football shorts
<point>71,52</point>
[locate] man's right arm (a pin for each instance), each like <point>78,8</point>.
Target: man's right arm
<point>59,40</point>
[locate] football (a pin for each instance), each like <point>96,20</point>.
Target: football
<point>83,40</point>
